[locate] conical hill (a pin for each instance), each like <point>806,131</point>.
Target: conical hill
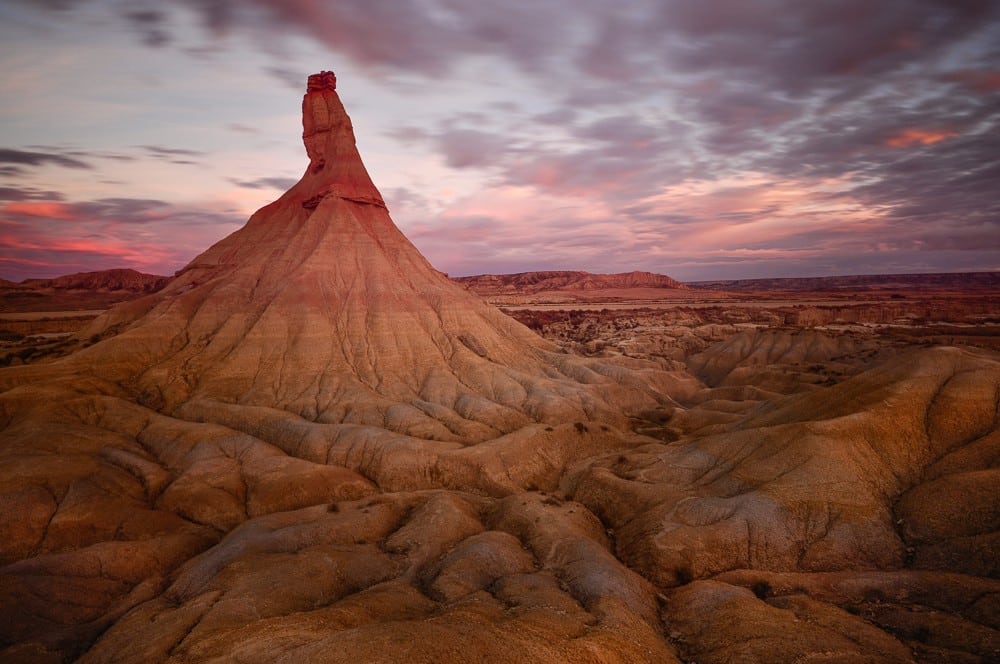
<point>319,306</point>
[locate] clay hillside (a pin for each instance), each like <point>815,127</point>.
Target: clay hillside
<point>311,446</point>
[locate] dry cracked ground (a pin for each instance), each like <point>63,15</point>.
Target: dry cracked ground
<point>313,447</point>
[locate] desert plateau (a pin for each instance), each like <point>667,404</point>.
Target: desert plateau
<point>310,445</point>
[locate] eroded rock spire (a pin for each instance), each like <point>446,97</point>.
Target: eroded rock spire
<point>335,167</point>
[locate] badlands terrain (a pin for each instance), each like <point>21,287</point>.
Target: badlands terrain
<point>311,446</point>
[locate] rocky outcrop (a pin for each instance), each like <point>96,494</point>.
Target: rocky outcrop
<point>328,135</point>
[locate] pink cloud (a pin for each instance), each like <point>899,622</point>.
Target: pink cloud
<point>916,136</point>
<point>750,219</point>
<point>47,209</point>
<point>45,239</point>
<point>979,80</point>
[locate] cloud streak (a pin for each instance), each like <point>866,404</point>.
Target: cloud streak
<point>30,158</point>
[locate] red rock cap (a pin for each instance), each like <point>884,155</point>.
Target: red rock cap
<point>325,80</point>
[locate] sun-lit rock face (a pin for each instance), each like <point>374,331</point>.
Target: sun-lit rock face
<point>312,446</point>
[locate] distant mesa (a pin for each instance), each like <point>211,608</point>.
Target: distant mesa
<point>80,291</point>
<point>102,281</point>
<point>525,283</point>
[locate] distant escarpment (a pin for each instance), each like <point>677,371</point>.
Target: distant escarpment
<point>524,283</point>
<point>83,290</point>
<point>103,280</point>
<point>939,280</point>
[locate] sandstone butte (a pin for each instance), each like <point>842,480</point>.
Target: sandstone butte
<point>311,446</point>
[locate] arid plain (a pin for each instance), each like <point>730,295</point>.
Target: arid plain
<point>310,445</point>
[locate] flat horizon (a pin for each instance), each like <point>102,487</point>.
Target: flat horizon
<point>684,281</point>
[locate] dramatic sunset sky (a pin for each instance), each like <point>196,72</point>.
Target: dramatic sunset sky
<point>704,139</point>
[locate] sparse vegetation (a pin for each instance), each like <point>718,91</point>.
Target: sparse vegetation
<point>761,588</point>
<point>683,576</point>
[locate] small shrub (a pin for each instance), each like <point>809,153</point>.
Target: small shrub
<point>874,595</point>
<point>761,588</point>
<point>683,576</point>
<point>580,427</point>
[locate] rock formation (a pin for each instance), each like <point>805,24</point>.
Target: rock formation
<point>312,446</point>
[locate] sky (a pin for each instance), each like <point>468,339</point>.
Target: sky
<point>703,139</point>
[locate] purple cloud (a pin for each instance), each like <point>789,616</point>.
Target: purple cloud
<point>30,158</point>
